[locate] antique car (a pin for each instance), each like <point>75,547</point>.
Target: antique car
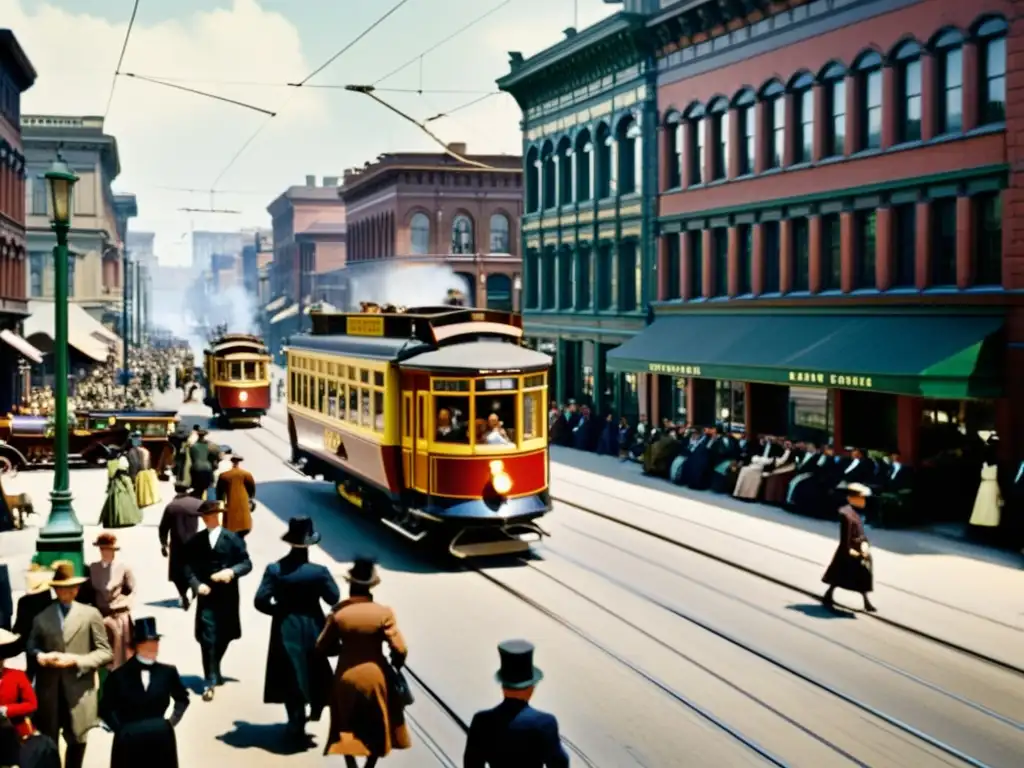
<point>94,437</point>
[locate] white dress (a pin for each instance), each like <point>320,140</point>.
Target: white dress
<point>988,502</point>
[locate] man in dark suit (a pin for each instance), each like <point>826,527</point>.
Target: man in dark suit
<point>204,457</point>
<point>135,701</point>
<point>178,525</point>
<point>514,734</point>
<point>214,561</point>
<point>291,592</point>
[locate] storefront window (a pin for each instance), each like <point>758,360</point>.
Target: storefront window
<point>951,425</point>
<point>811,415</point>
<point>731,405</point>
<point>679,401</point>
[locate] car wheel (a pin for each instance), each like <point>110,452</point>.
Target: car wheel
<point>8,467</point>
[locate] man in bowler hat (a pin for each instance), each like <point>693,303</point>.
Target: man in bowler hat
<point>135,701</point>
<point>291,592</point>
<point>514,734</point>
<point>214,561</point>
<point>178,525</point>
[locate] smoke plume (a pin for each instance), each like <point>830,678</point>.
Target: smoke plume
<point>407,285</point>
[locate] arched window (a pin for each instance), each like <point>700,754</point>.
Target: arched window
<point>603,162</point>
<point>949,66</point>
<point>694,160</point>
<point>774,97</point>
<point>869,100</point>
<point>673,149</point>
<point>992,49</point>
<point>564,159</point>
<point>462,234</point>
<point>716,137</point>
<point>499,233</point>
<point>532,180</point>
<point>549,182</point>
<point>908,92</point>
<point>833,79</point>
<point>628,139</point>
<point>802,88</point>
<point>584,157</point>
<point>743,103</point>
<point>419,233</point>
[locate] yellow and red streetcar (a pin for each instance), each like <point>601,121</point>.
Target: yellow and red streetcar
<point>237,371</point>
<point>431,419</point>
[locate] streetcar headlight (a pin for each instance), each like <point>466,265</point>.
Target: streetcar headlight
<point>243,396</point>
<point>500,479</point>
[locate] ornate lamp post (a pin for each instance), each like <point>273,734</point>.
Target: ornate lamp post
<point>61,537</point>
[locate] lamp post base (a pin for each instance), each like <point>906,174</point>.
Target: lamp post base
<point>62,536</point>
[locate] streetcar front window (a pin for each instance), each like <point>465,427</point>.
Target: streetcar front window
<point>451,411</point>
<point>236,371</point>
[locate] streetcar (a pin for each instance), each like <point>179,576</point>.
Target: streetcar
<point>431,420</point>
<point>236,370</point>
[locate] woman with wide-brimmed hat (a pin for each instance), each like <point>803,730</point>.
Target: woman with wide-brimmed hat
<point>363,720</point>
<point>291,592</point>
<point>110,588</point>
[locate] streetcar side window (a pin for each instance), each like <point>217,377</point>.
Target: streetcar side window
<point>236,371</point>
<point>353,403</point>
<point>533,414</point>
<point>321,395</point>
<point>366,418</point>
<point>378,410</point>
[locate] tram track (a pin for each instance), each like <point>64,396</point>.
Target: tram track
<point>789,585</point>
<point>864,709</point>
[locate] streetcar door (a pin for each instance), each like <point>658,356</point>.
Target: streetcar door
<point>421,461</point>
<point>408,438</point>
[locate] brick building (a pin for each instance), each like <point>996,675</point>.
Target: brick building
<point>16,76</point>
<point>837,255</point>
<point>424,207</point>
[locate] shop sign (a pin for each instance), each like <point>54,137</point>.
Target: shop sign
<point>831,379</point>
<point>674,370</point>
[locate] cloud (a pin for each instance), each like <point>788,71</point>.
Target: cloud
<point>166,137</point>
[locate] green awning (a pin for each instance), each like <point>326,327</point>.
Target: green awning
<point>939,356</point>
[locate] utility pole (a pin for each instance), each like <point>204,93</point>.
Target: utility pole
<point>126,310</point>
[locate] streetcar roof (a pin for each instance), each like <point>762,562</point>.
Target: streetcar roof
<point>482,357</point>
<point>369,347</point>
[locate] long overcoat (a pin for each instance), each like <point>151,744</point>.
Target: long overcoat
<point>137,714</point>
<point>217,618</point>
<point>235,488</point>
<point>178,525</point>
<point>109,590</point>
<point>290,592</point>
<point>83,636</point>
<point>362,722</point>
<point>848,570</point>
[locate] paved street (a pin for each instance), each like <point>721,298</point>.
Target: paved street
<point>653,655</point>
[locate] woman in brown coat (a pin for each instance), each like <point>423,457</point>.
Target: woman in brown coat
<point>110,588</point>
<point>363,721</point>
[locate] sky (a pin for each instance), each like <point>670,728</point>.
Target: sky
<point>171,142</point>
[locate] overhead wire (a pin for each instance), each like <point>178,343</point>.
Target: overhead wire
<point>267,84</point>
<point>344,49</point>
<point>439,43</point>
<point>186,89</point>
<point>120,59</point>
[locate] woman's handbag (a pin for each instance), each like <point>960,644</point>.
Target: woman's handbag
<point>398,687</point>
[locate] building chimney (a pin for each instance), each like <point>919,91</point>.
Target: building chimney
<point>515,60</point>
<point>569,32</point>
<point>330,181</point>
<point>311,181</point>
<point>458,147</point>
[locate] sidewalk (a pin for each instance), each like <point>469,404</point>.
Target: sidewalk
<point>964,594</point>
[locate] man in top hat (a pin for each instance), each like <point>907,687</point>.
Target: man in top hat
<point>514,734</point>
<point>236,488</point>
<point>290,592</point>
<point>69,643</point>
<point>135,701</point>
<point>851,567</point>
<point>214,561</point>
<point>178,525</point>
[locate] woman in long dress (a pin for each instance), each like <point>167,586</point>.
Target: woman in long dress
<point>363,720</point>
<point>111,587</point>
<point>120,510</point>
<point>988,503</point>
<point>851,567</point>
<point>147,485</point>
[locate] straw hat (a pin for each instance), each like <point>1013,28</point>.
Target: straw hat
<point>10,644</point>
<point>37,579</point>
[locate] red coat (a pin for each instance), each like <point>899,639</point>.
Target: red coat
<point>17,696</point>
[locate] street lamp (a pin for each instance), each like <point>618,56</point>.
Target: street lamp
<point>61,537</point>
